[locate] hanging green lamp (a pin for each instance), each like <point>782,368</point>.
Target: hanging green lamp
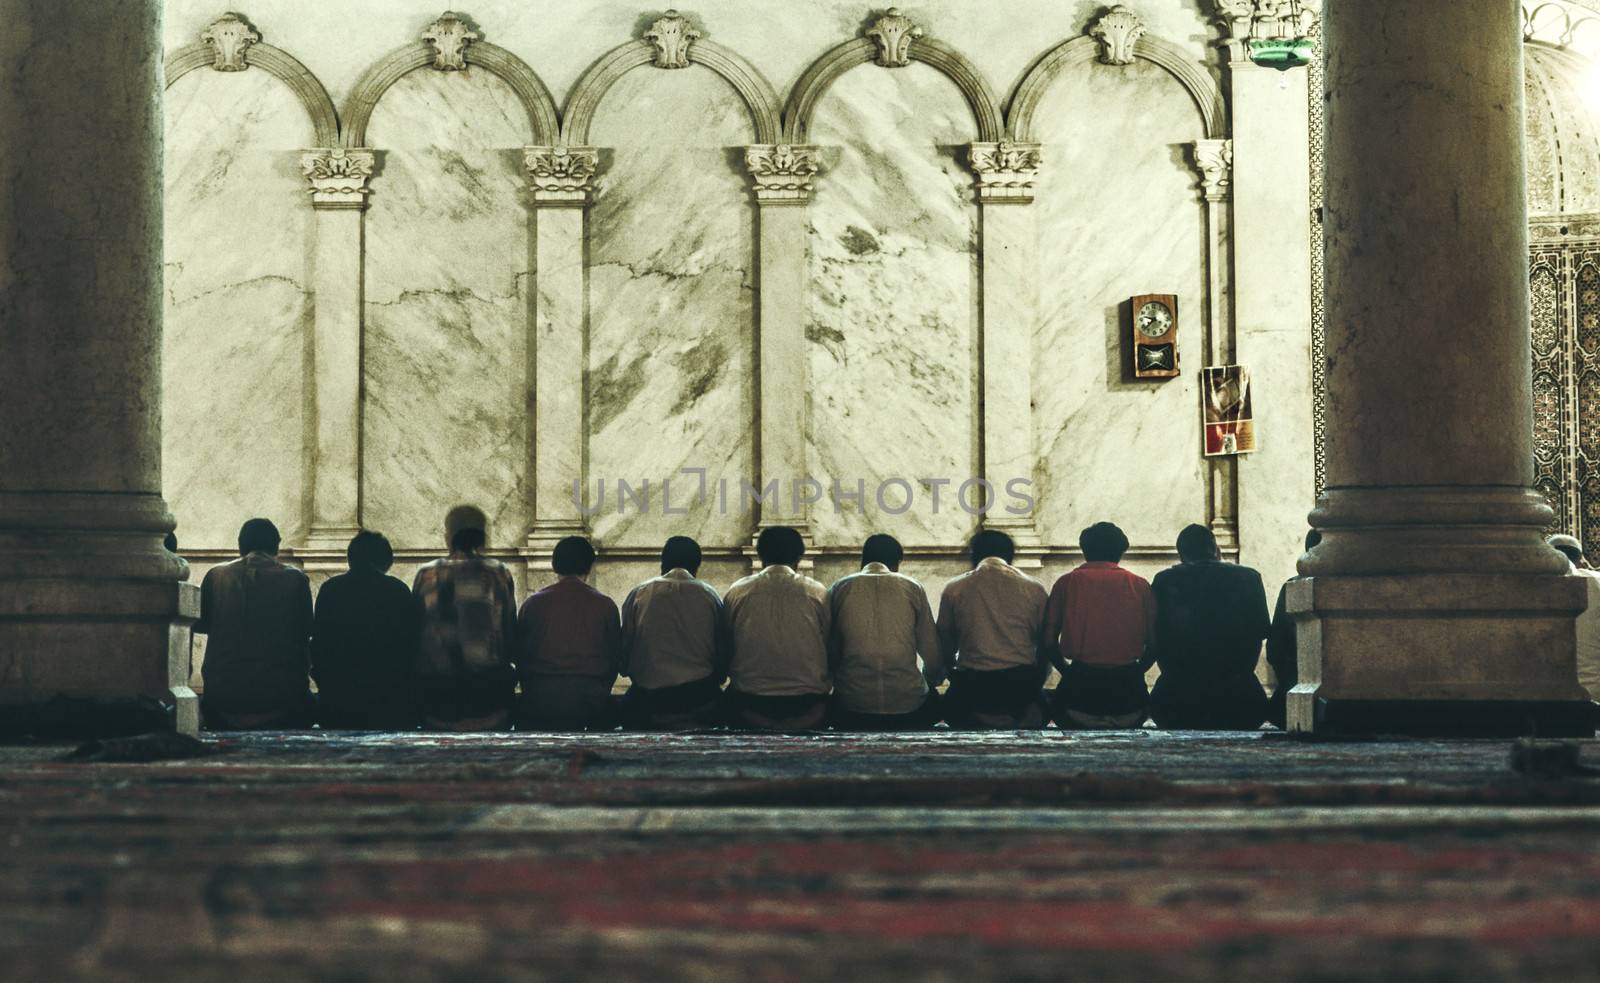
<point>1282,53</point>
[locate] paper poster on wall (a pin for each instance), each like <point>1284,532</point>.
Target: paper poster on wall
<point>1229,424</point>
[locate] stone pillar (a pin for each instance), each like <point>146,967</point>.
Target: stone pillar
<point>561,179</point>
<point>1006,174</point>
<point>338,179</point>
<point>1271,200</point>
<point>782,176</point>
<point>1432,603</point>
<point>1214,158</point>
<point>92,608</point>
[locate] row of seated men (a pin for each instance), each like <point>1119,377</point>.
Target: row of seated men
<point>454,652</point>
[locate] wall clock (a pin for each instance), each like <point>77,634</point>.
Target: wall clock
<point>1155,336</point>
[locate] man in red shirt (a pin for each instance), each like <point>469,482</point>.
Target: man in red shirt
<point>569,647</point>
<point>1097,624</point>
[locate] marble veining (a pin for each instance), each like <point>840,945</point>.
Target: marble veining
<point>671,312</point>
<point>1112,226</point>
<point>237,310</point>
<point>891,309</point>
<point>446,308</point>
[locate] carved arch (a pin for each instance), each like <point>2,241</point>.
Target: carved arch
<point>1195,79</point>
<point>930,51</point>
<point>758,95</point>
<point>280,65</point>
<point>492,58</point>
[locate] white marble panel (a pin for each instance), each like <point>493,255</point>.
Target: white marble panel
<point>237,311</point>
<point>671,313</point>
<point>445,344</point>
<point>892,305</point>
<point>1119,215</point>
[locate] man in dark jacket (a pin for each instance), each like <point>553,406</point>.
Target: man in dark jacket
<point>1210,619</point>
<point>1283,651</point>
<point>364,644</point>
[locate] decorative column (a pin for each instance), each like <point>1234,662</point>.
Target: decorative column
<point>782,175</point>
<point>561,179</point>
<point>338,179</point>
<point>92,608</point>
<point>1271,259</point>
<point>1214,159</point>
<point>1433,603</point>
<point>1008,243</point>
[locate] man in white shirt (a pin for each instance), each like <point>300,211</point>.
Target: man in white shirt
<point>674,645</point>
<point>1589,620</point>
<point>778,620</point>
<point>882,622</point>
<point>991,629</point>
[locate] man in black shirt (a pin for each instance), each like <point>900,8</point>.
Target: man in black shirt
<point>1210,619</point>
<point>364,644</point>
<point>1283,651</point>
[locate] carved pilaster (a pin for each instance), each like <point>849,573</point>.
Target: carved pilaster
<point>1214,158</point>
<point>671,37</point>
<point>561,175</point>
<point>893,34</point>
<point>449,36</point>
<point>1006,171</point>
<point>338,176</point>
<point>782,172</point>
<point>230,38</point>
<point>1265,20</point>
<point>1117,31</point>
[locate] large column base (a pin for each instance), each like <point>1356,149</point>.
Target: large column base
<point>96,658</point>
<point>1439,654</point>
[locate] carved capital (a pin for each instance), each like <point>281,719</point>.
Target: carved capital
<point>893,34</point>
<point>230,38</point>
<point>338,176</point>
<point>449,36</point>
<point>1214,158</point>
<point>671,37</point>
<point>1244,21</point>
<point>1006,171</point>
<point>782,172</point>
<point>561,175</point>
<point>1117,31</point>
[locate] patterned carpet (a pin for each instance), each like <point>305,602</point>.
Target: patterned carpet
<point>716,857</point>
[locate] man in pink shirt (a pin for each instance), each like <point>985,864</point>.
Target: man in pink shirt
<point>569,647</point>
<point>1097,624</point>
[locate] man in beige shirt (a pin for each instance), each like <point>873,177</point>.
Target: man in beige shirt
<point>1589,621</point>
<point>882,622</point>
<point>779,621</point>
<point>991,629</point>
<point>674,645</point>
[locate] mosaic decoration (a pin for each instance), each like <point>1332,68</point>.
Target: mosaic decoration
<point>1319,347</point>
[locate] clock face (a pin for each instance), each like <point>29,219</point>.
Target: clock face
<point>1154,319</point>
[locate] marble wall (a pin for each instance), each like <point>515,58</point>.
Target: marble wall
<point>669,291</point>
<point>237,307</point>
<point>448,266</point>
<point>671,307</point>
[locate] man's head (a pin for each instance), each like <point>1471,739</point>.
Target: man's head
<point>466,528</point>
<point>369,550</point>
<point>1569,547</point>
<point>573,557</point>
<point>882,548</point>
<point>1103,542</point>
<point>681,553</point>
<point>1197,544</point>
<point>258,536</point>
<point>992,542</point>
<point>780,546</point>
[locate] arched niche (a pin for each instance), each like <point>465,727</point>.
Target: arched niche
<point>1023,106</point>
<point>1119,213</point>
<point>935,54</point>
<point>757,94</point>
<point>447,296</point>
<point>892,302</point>
<point>237,297</point>
<point>540,109</point>
<point>671,304</point>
